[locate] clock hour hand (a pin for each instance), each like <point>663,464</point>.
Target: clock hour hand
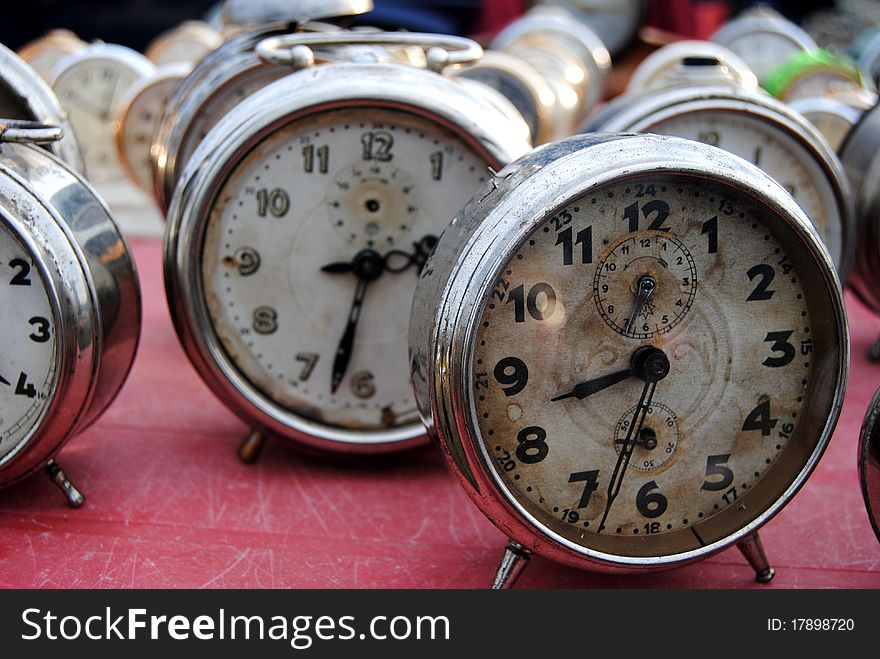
<point>647,284</point>
<point>5,381</point>
<point>647,357</point>
<point>394,261</point>
<point>367,266</point>
<point>653,369</point>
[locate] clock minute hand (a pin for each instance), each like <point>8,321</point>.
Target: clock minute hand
<point>652,368</point>
<point>367,265</point>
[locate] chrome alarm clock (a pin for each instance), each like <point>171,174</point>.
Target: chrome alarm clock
<point>760,129</point>
<point>138,121</point>
<point>570,56</point>
<point>632,351</point>
<point>91,85</point>
<point>859,155</point>
<point>691,63</point>
<point>616,22</point>
<point>71,306</point>
<point>44,54</point>
<point>25,96</point>
<point>764,39</point>
<point>297,231</point>
<point>188,43</point>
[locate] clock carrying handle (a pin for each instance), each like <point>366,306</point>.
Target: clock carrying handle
<point>28,132</point>
<point>440,50</point>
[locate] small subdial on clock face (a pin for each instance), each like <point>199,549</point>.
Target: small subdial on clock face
<point>312,253</point>
<point>559,399</point>
<point>27,367</point>
<point>374,204</point>
<point>654,258</point>
<point>657,439</point>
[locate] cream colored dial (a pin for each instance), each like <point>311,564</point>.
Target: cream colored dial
<point>312,252</point>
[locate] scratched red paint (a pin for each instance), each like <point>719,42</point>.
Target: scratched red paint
<point>169,505</point>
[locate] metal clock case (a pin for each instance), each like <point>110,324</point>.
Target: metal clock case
<point>859,157</point>
<point>44,53</point>
<point>832,117</point>
<point>25,96</point>
<point>91,85</point>
<point>691,63</point>
<point>329,183</point>
<point>526,88</point>
<point>567,53</point>
<point>262,12</point>
<point>188,43</point>
<point>758,128</point>
<point>616,22</point>
<point>529,377</point>
<point>218,83</point>
<point>869,462</point>
<point>813,74</point>
<point>71,306</point>
<point>764,39</point>
<point>138,121</point>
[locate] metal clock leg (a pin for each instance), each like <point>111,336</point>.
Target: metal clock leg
<point>751,548</point>
<point>75,498</point>
<point>250,448</point>
<point>514,561</point>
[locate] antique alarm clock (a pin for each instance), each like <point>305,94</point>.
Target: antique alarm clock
<point>691,62</point>
<point>71,306</point>
<point>760,129</point>
<point>569,55</point>
<point>869,462</point>
<point>296,234</point>
<point>813,74</point>
<point>764,39</point>
<point>90,85</point>
<point>859,157</point>
<point>188,43</point>
<point>632,350</point>
<point>228,75</point>
<point>44,53</point>
<point>138,121</point>
<point>832,116</point>
<point>25,96</point>
<point>616,22</point>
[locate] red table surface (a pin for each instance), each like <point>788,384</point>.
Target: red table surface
<point>170,506</point>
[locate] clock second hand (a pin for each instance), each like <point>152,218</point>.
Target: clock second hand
<point>653,369</point>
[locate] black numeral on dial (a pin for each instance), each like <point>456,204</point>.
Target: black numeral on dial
<point>532,445</point>
<point>41,329</point>
<point>760,419</point>
<point>780,344</point>
<point>658,206</point>
<point>719,472</point>
<point>762,290</point>
<point>512,372</point>
<point>650,504</point>
<point>590,479</point>
<point>584,238</point>
<point>540,302</point>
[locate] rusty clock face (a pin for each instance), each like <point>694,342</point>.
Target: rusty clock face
<point>632,350</point>
<point>651,369</point>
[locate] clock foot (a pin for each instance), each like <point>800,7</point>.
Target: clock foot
<point>250,448</point>
<point>75,498</point>
<point>514,561</point>
<point>751,548</point>
<point>874,351</point>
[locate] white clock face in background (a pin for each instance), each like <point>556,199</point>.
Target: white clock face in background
<point>27,365</point>
<point>763,51</point>
<point>91,92</point>
<point>138,127</point>
<point>777,153</point>
<point>373,184</point>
